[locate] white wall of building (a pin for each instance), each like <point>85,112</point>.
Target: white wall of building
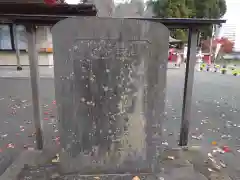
<point>9,59</point>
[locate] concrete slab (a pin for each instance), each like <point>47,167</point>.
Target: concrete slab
<point>26,159</point>
<point>177,164</point>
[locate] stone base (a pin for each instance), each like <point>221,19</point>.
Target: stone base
<point>177,164</point>
<point>28,159</point>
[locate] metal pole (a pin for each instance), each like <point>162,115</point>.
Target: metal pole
<point>15,37</point>
<point>33,60</point>
<point>188,86</point>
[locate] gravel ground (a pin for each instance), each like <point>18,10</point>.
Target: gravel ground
<point>215,113</point>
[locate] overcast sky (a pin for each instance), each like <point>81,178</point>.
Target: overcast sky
<point>233,7</point>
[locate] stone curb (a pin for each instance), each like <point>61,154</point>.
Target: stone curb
<point>28,157</point>
<point>187,163</point>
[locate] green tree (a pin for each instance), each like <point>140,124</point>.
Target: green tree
<point>189,9</point>
<point>209,9</point>
<point>172,9</point>
<point>169,8</point>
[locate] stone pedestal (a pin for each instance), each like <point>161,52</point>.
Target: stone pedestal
<point>110,77</point>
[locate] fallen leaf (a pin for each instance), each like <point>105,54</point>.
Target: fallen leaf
<point>136,178</point>
<point>171,157</point>
<point>10,145</point>
<point>226,149</point>
<point>30,148</point>
<point>56,159</point>
<point>55,176</point>
<point>209,169</point>
<point>214,143</point>
<point>4,135</point>
<point>46,113</point>
<point>165,143</point>
<point>223,164</point>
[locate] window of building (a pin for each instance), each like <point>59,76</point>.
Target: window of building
<point>22,38</point>
<point>44,40</point>
<point>5,38</point>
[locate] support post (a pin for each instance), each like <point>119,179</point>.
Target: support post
<point>188,86</point>
<point>34,74</point>
<point>16,47</point>
<point>12,36</point>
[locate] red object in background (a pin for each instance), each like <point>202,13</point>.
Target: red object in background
<point>226,44</point>
<point>50,2</point>
<point>226,149</point>
<point>207,59</point>
<point>172,55</point>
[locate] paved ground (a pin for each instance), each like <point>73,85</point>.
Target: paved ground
<point>10,71</point>
<point>215,112</point>
<point>16,125</point>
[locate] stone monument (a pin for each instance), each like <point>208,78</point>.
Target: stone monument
<point>110,79</point>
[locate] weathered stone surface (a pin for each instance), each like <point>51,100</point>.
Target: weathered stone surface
<point>110,88</point>
<point>35,165</point>
<point>50,173</point>
<point>19,168</point>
